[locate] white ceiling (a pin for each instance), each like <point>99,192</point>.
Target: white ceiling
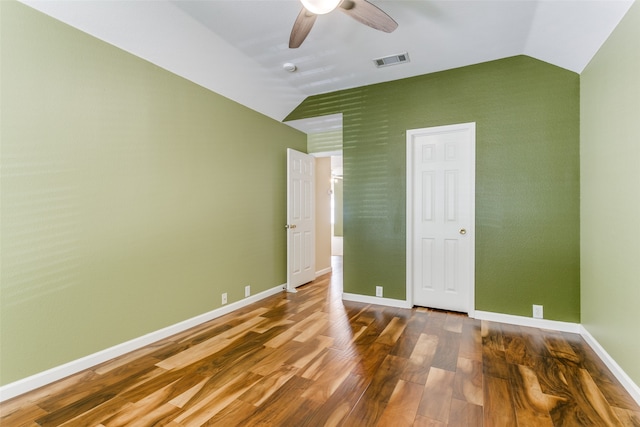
<point>237,47</point>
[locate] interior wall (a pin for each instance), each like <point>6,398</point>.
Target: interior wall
<point>324,142</point>
<point>610,194</point>
<point>131,199</point>
<point>338,227</point>
<point>323,214</point>
<point>527,179</point>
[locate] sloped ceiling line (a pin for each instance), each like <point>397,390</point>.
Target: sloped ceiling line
<point>237,48</point>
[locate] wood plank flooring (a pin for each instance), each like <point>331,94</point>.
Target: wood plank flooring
<point>310,359</point>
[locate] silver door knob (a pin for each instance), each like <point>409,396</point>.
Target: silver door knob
<point>463,231</point>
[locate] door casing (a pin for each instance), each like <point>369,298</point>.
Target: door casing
<point>409,207</point>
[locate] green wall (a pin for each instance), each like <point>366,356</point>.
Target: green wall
<point>610,193</point>
<point>323,142</point>
<point>527,179</point>
<point>130,198</point>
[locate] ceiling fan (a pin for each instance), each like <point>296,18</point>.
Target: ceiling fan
<point>360,10</point>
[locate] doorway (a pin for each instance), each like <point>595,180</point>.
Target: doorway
<point>441,217</point>
<point>327,211</point>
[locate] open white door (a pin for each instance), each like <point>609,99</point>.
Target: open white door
<point>441,216</point>
<point>300,219</point>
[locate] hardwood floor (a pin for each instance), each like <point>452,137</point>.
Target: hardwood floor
<point>310,359</point>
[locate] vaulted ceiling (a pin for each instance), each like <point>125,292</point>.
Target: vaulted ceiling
<point>237,48</point>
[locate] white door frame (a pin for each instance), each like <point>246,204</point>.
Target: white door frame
<point>409,207</point>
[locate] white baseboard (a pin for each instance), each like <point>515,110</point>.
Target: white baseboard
<point>376,300</point>
<point>323,272</point>
<point>553,325</point>
<point>577,328</point>
<point>57,373</point>
<point>613,366</point>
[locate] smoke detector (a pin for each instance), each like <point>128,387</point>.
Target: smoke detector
<point>289,66</point>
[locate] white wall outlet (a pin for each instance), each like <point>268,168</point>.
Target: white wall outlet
<point>537,312</point>
<point>224,298</point>
<point>378,291</point>
<point>247,291</point>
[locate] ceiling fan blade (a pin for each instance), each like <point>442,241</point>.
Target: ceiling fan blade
<point>369,14</point>
<point>301,28</point>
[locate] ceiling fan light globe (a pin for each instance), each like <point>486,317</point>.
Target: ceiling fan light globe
<point>320,7</point>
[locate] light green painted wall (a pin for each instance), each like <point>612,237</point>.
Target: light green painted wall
<point>610,190</point>
<point>130,198</point>
<point>323,142</point>
<point>527,183</point>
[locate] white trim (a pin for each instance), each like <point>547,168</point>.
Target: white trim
<point>323,272</point>
<point>336,153</point>
<point>409,219</point>
<point>471,126</point>
<point>33,382</point>
<point>389,302</point>
<point>290,290</point>
<point>472,312</point>
<point>613,366</point>
<point>553,325</point>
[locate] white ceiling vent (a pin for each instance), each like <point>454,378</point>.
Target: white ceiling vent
<point>391,60</point>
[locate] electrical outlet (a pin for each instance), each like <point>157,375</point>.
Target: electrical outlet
<point>224,298</point>
<point>378,291</point>
<point>537,312</point>
<point>247,290</point>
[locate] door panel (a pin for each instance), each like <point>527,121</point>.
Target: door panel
<point>300,219</point>
<point>440,216</point>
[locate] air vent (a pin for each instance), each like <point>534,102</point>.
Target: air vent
<point>391,60</point>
